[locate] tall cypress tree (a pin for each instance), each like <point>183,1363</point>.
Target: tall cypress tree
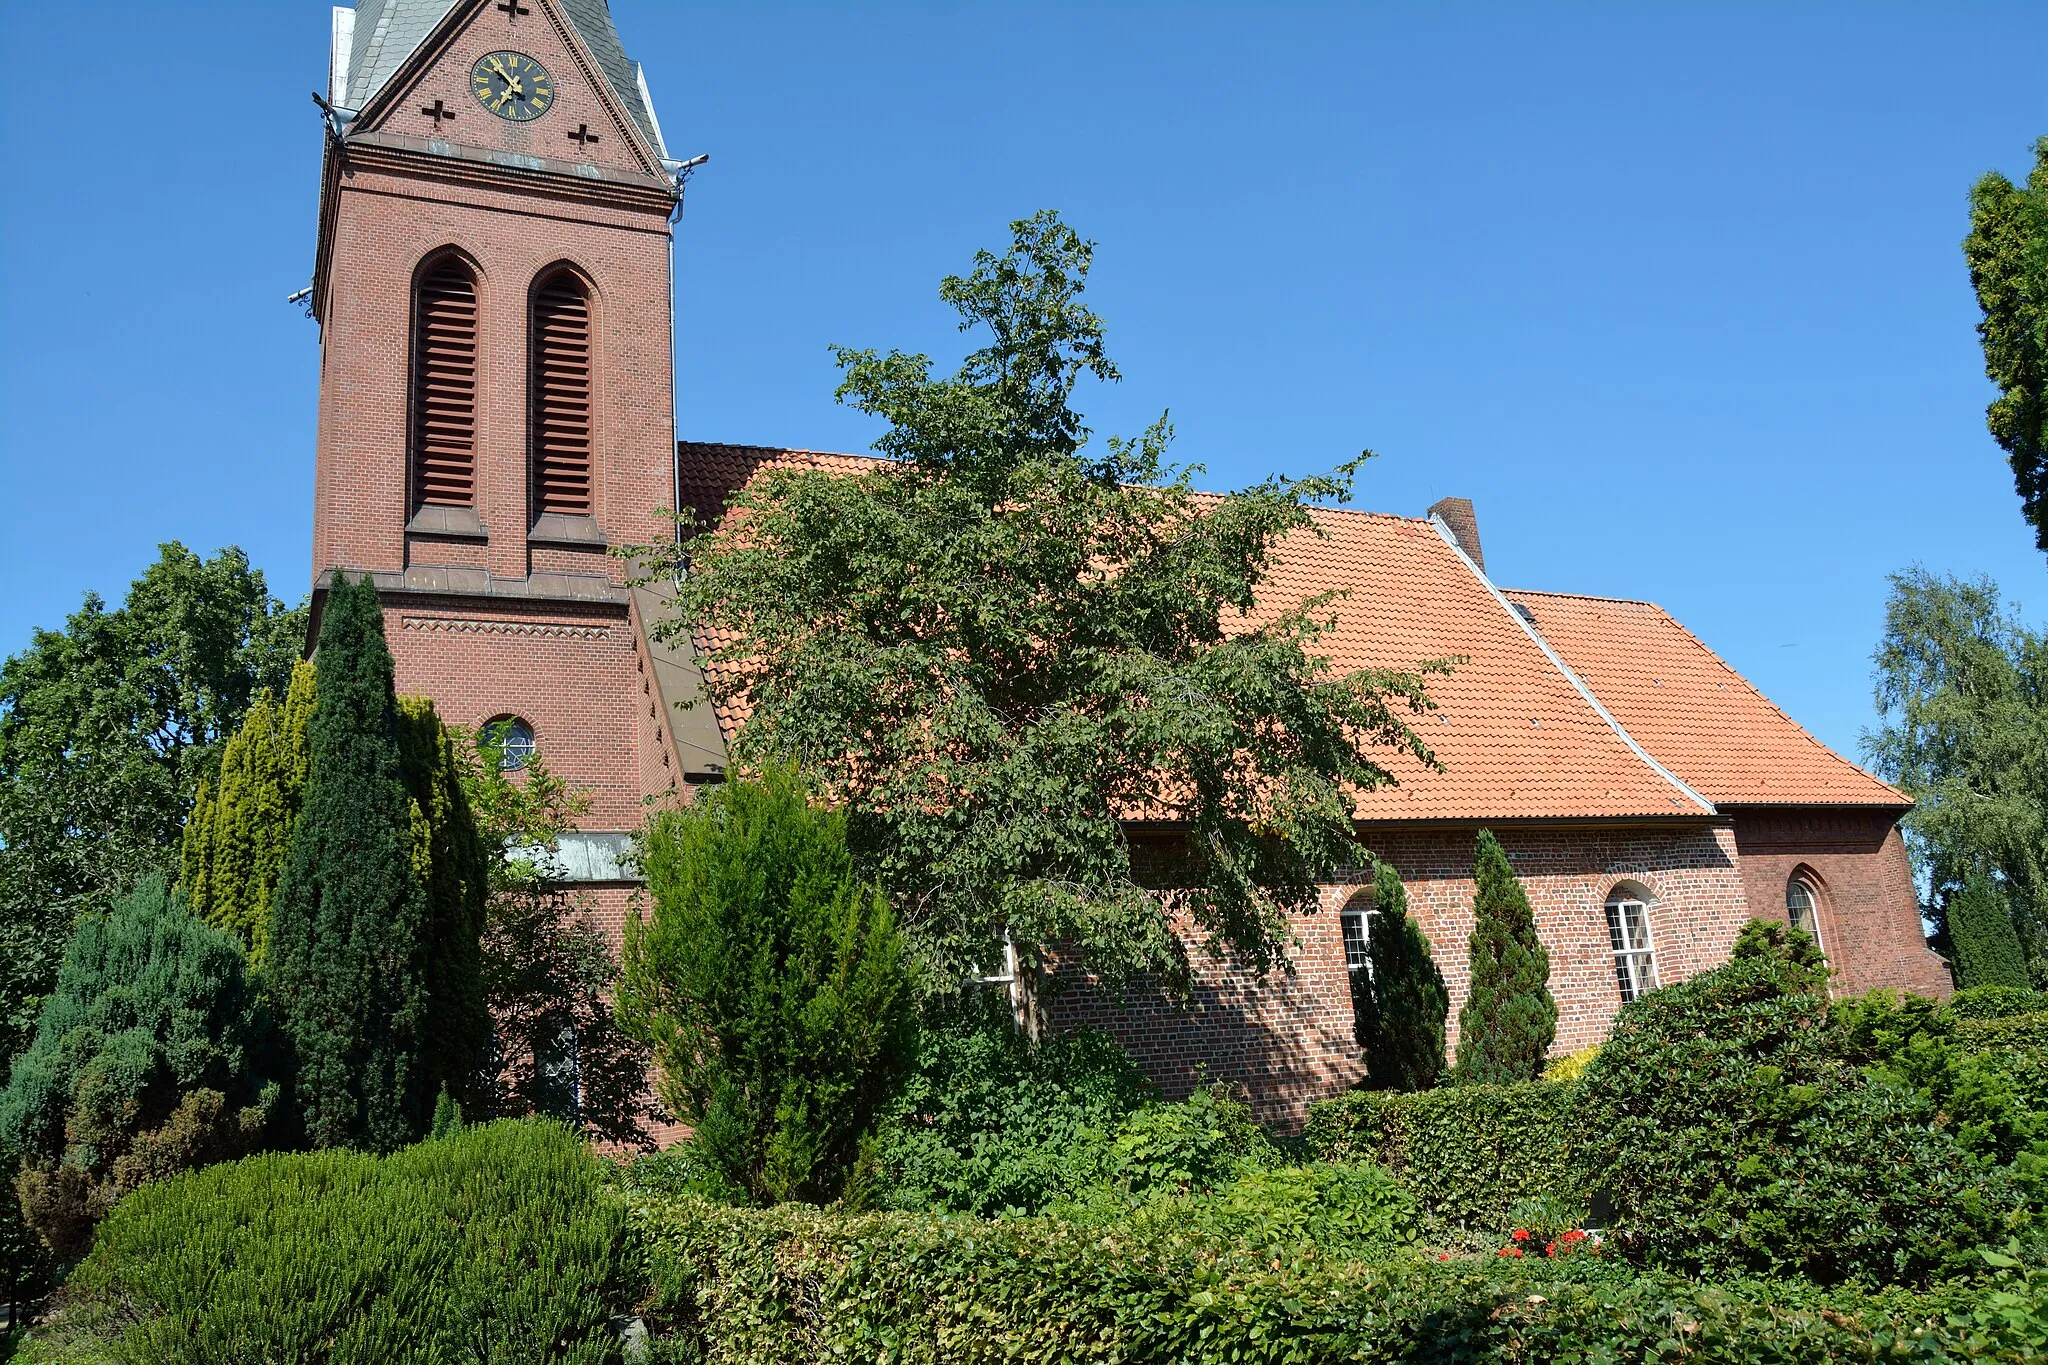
<point>239,831</point>
<point>1399,1004</point>
<point>1509,1019</point>
<point>1987,947</point>
<point>349,927</point>
<point>448,859</point>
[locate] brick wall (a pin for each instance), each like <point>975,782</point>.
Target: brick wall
<point>386,224</point>
<point>1855,861</point>
<point>1288,1039</point>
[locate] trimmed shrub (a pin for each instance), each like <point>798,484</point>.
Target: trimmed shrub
<point>499,1243</point>
<point>795,1285</point>
<point>987,1123</point>
<point>152,1055</point>
<point>1353,1211</point>
<point>240,828</point>
<point>1728,1131</point>
<point>1987,1079</point>
<point>1467,1153</point>
<point>1987,945</point>
<point>1996,1002</point>
<point>2012,1032</point>
<point>1509,1020</point>
<point>351,932</point>
<point>1399,1005</point>
<point>772,985</point>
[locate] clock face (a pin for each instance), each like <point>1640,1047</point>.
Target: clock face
<point>512,85</point>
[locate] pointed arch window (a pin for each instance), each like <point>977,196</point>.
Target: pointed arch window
<point>444,385</point>
<point>1802,907</point>
<point>560,385</point>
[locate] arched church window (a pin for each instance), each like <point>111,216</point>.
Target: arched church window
<point>1628,932</point>
<point>560,385</point>
<point>1357,924</point>
<point>1802,907</point>
<point>444,386</point>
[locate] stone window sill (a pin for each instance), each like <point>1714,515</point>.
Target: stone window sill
<point>451,523</point>
<point>554,528</point>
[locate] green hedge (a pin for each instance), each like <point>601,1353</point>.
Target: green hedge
<point>1467,1153</point>
<point>499,1243</point>
<point>1996,1002</point>
<point>735,1286</point>
<point>2009,1032</point>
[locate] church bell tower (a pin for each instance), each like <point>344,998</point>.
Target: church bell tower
<point>492,286</point>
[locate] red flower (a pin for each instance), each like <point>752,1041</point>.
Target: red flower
<point>1510,1251</point>
<point>1521,1234</point>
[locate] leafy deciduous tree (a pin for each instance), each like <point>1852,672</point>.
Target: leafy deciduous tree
<point>772,984</point>
<point>107,728</point>
<point>1509,1020</point>
<point>548,970</point>
<point>1399,1003</point>
<point>1002,644</point>
<point>1962,691</point>
<point>2007,251</point>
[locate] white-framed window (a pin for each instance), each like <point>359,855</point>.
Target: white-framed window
<point>1628,931</point>
<point>1357,922</point>
<point>1802,907</point>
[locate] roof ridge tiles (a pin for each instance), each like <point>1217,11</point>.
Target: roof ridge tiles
<point>1584,597</point>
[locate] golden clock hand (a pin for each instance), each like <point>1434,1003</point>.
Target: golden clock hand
<point>501,68</point>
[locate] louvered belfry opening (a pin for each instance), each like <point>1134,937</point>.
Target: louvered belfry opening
<point>444,387</point>
<point>561,396</point>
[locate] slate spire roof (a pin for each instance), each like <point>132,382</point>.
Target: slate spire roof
<point>387,32</point>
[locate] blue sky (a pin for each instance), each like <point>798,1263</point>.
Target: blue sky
<point>1671,292</point>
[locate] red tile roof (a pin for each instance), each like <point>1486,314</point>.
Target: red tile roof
<point>1699,716</point>
<point>1518,736</point>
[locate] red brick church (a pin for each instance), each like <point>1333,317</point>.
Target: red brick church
<point>492,285</point>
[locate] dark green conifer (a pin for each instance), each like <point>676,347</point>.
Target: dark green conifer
<point>349,926</point>
<point>1399,1004</point>
<point>1509,1019</point>
<point>1987,947</point>
<point>448,859</point>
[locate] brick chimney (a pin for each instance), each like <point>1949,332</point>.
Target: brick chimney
<point>1457,514</point>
